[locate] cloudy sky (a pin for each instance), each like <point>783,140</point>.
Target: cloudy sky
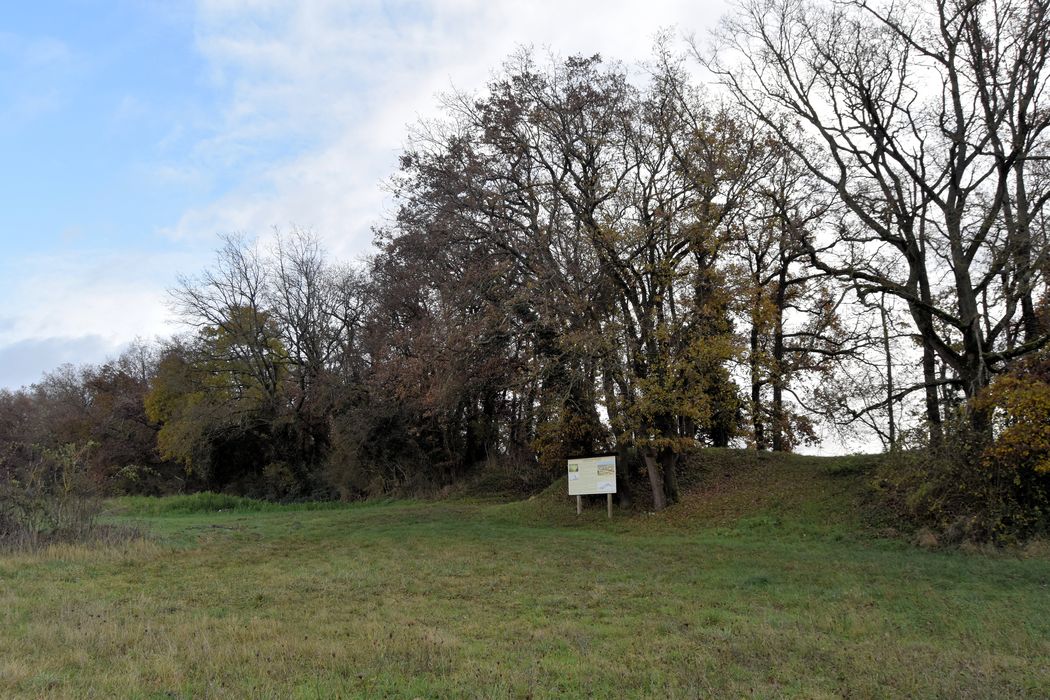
<point>135,132</point>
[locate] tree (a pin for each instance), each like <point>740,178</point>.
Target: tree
<point>940,191</point>
<point>603,210</point>
<point>244,399</point>
<point>793,310</point>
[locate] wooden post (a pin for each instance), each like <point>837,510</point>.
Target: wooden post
<point>609,504</point>
<point>579,505</point>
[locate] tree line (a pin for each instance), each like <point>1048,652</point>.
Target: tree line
<point>842,227</point>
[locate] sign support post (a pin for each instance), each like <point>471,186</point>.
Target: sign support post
<point>608,502</point>
<point>579,505</point>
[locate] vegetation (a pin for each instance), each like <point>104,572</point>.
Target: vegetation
<point>969,487</point>
<point>46,498</point>
<point>348,480</point>
<point>770,578</point>
<point>588,258</point>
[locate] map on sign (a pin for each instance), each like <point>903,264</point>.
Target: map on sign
<point>592,475</point>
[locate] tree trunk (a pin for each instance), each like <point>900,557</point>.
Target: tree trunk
<point>623,467</point>
<point>933,409</point>
<point>624,496</point>
<point>889,374</point>
<point>669,464</point>
<point>1023,253</point>
<point>656,480</point>
<point>777,422</point>
<point>756,393</point>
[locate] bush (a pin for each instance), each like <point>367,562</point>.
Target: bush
<point>981,487</point>
<point>46,496</point>
<point>571,434</point>
<point>514,476</point>
<point>1022,416</point>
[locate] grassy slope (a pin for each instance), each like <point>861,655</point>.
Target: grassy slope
<point>765,581</point>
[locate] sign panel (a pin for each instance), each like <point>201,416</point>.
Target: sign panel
<point>592,475</point>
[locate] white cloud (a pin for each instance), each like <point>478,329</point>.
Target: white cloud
<point>25,362</point>
<point>346,79</point>
<point>31,64</point>
<point>315,99</point>
<point>111,297</point>
<point>37,52</point>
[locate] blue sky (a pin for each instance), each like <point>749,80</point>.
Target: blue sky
<point>98,99</point>
<point>134,132</point>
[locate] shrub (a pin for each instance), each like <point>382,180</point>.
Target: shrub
<point>515,475</point>
<point>1022,417</point>
<point>209,502</point>
<point>46,496</point>
<point>570,434</point>
<point>982,487</point>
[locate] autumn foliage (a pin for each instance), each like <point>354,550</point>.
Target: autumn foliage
<point>1020,402</point>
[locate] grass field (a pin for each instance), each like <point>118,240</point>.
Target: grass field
<point>770,580</point>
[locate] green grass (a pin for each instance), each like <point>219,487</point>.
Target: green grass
<point>204,503</point>
<point>769,580</point>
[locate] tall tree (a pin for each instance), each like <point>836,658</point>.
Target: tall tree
<point>792,309</point>
<point>607,207</point>
<point>931,124</point>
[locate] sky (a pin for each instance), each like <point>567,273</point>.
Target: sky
<point>134,133</point>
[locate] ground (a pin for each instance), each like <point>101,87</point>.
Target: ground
<point>773,578</point>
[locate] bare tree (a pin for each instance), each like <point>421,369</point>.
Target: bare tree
<point>931,121</point>
<point>228,304</point>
